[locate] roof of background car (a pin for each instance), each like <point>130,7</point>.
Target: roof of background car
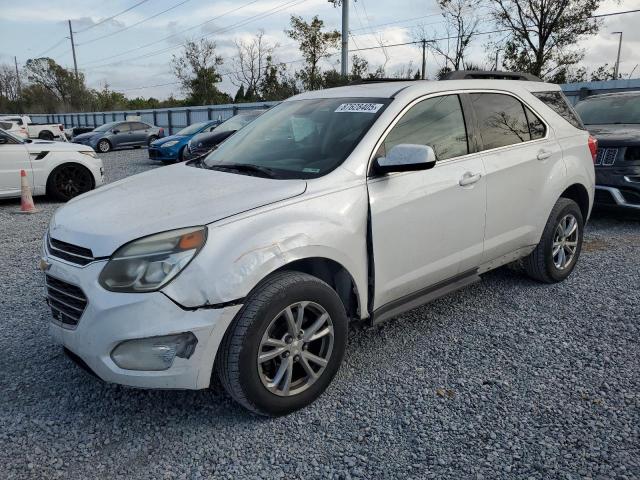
<point>423,87</point>
<point>632,93</point>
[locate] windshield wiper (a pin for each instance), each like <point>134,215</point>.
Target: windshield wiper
<point>246,168</point>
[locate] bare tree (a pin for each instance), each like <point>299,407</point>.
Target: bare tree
<point>9,82</point>
<point>542,33</point>
<point>461,24</point>
<point>250,63</point>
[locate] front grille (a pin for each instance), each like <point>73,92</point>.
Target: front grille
<point>153,153</point>
<point>67,301</point>
<point>70,253</point>
<point>606,156</point>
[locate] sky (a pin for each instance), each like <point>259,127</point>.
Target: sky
<point>132,51</point>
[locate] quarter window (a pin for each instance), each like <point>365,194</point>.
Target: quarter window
<point>437,122</point>
<point>503,120</point>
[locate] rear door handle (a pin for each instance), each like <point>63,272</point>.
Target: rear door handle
<point>469,179</point>
<point>544,154</point>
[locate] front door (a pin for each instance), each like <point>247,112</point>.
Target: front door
<point>427,226</point>
<point>13,158</point>
<point>122,137</point>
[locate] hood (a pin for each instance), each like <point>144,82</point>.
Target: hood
<point>163,199</point>
<point>37,146</point>
<point>209,139</point>
<point>619,135</point>
<point>163,140</point>
<point>86,136</point>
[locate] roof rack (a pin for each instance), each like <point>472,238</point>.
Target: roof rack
<point>383,80</point>
<point>495,75</point>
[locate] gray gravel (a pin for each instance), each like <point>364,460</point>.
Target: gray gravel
<point>506,379</point>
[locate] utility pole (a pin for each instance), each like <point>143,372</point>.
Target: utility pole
<point>345,38</point>
<point>15,59</point>
<point>497,54</point>
<point>617,67</point>
<point>73,49</point>
<point>423,75</point>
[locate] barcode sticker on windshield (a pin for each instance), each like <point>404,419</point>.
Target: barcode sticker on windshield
<point>359,107</point>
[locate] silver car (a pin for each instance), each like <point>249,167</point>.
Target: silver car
<point>120,134</point>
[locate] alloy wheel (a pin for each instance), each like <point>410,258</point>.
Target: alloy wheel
<point>295,348</point>
<point>70,181</point>
<point>565,242</point>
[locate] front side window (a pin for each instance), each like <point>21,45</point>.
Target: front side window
<point>105,127</point>
<point>501,119</point>
<point>299,138</point>
<point>437,122</point>
<point>122,128</point>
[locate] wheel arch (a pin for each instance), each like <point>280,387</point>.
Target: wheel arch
<point>579,194</point>
<point>333,274</point>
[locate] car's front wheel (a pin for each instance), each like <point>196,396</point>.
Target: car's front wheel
<point>104,146</point>
<point>285,345</point>
<point>556,255</point>
<point>68,181</point>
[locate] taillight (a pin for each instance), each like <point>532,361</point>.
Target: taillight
<point>161,132</point>
<point>61,128</point>
<point>593,148</point>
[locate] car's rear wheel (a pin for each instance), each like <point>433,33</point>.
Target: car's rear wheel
<point>45,135</point>
<point>152,139</point>
<point>68,181</point>
<point>285,345</point>
<point>104,146</point>
<point>556,255</point>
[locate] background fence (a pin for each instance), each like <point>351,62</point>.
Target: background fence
<point>171,119</point>
<point>174,119</point>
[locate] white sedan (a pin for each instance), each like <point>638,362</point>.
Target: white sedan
<point>61,170</point>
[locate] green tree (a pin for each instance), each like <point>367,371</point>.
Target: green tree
<point>314,44</point>
<point>277,83</point>
<point>542,33</point>
<point>197,69</point>
<point>64,91</point>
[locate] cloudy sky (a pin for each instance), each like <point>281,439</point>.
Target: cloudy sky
<point>132,51</point>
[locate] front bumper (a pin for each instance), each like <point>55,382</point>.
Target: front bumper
<point>110,318</point>
<point>163,154</point>
<point>618,186</point>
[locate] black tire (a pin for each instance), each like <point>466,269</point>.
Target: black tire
<point>237,360</point>
<point>181,154</point>
<point>68,181</point>
<point>104,146</point>
<point>151,139</point>
<point>540,264</point>
<point>45,135</point>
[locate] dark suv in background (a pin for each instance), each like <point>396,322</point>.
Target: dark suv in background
<point>614,119</point>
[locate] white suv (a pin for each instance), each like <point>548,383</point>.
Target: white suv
<point>357,202</point>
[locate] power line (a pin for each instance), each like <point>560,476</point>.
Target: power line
<point>177,33</point>
<point>133,24</point>
<point>267,13</point>
<point>111,17</point>
<point>58,43</point>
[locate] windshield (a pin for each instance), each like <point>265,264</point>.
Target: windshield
<point>301,138</point>
<point>105,127</point>
<point>191,129</point>
<point>235,123</point>
<point>614,109</point>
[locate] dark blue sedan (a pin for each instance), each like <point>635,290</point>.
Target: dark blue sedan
<point>171,149</point>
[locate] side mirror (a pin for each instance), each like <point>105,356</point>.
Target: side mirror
<point>115,131</point>
<point>406,157</point>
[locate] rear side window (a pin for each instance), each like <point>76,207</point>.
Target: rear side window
<point>501,118</point>
<point>437,122</point>
<point>139,126</point>
<point>558,103</point>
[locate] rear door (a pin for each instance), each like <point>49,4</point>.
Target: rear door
<point>13,158</point>
<point>139,133</point>
<point>519,153</point>
<point>427,226</point>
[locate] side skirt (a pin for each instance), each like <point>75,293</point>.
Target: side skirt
<point>426,295</point>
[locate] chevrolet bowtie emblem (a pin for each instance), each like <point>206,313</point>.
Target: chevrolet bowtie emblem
<point>44,265</point>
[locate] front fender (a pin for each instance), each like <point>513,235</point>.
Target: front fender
<point>240,253</point>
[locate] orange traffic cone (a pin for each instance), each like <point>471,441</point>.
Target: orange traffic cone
<point>26,201</point>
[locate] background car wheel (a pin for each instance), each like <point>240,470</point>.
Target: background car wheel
<point>152,139</point>
<point>556,255</point>
<point>45,135</point>
<point>285,345</point>
<point>104,146</point>
<point>68,181</point>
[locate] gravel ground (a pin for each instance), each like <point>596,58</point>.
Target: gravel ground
<point>506,379</point>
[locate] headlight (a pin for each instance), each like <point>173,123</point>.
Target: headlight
<point>151,262</point>
<point>168,144</point>
<point>90,153</point>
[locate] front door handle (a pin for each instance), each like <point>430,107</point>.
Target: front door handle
<point>469,179</point>
<point>544,154</point>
